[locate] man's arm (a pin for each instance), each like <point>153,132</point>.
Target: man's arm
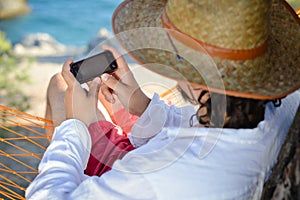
<point>61,169</point>
<point>157,116</point>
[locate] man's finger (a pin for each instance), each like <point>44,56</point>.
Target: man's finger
<point>123,71</point>
<point>107,93</point>
<point>123,67</point>
<point>89,83</point>
<point>94,88</point>
<point>68,76</point>
<point>110,81</point>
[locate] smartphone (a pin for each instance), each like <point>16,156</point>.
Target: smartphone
<point>89,68</point>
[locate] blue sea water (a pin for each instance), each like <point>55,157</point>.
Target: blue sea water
<point>70,22</point>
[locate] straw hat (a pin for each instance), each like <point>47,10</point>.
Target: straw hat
<point>255,45</point>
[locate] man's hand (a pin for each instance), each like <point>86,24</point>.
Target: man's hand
<point>123,84</point>
<point>79,103</point>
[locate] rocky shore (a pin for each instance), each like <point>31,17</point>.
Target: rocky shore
<point>13,8</point>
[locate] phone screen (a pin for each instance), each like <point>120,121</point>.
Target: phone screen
<point>89,68</point>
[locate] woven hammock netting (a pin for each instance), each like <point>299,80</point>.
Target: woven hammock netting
<point>22,143</point>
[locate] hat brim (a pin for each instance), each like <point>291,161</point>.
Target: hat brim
<point>271,76</point>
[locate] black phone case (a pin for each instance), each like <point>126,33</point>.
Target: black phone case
<point>75,67</point>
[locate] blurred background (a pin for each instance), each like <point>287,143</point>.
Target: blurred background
<point>294,3</point>
<point>69,22</point>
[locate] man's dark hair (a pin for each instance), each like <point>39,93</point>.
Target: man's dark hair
<point>239,112</point>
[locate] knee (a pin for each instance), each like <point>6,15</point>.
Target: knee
<point>57,82</point>
<point>57,86</point>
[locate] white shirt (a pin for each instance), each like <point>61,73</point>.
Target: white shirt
<point>171,161</point>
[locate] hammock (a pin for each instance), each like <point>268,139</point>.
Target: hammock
<point>22,144</point>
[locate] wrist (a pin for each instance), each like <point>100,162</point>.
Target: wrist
<point>140,108</point>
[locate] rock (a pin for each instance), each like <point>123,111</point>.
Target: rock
<point>39,44</point>
<point>13,8</point>
<point>42,44</point>
<point>44,47</point>
<point>102,36</point>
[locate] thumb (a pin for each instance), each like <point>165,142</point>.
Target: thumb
<point>94,88</point>
<point>110,81</point>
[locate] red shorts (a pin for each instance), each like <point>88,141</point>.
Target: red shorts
<point>108,144</point>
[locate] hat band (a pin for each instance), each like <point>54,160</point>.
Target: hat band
<point>232,54</point>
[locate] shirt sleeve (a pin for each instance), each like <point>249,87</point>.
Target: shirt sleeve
<point>61,169</point>
<point>157,116</point>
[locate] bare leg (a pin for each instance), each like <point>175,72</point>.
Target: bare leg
<point>55,109</point>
